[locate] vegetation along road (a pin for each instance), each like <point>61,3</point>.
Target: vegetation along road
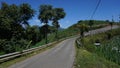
<point>60,56</point>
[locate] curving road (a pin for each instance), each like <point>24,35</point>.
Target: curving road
<point>60,56</point>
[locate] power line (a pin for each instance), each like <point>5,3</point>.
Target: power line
<point>95,9</point>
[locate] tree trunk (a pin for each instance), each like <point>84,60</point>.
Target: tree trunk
<point>56,34</point>
<point>46,34</point>
<point>111,27</point>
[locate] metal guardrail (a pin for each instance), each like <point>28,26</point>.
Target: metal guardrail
<point>15,54</point>
<point>10,56</point>
<point>78,43</point>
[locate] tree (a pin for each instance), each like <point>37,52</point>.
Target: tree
<point>82,28</point>
<point>91,22</point>
<point>42,30</point>
<point>58,13</point>
<point>33,34</point>
<point>5,26</point>
<point>45,14</point>
<point>14,17</point>
<point>107,21</point>
<point>26,13</point>
<point>80,21</point>
<point>111,23</point>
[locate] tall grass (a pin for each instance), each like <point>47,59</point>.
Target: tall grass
<point>104,56</point>
<point>110,50</point>
<point>87,59</point>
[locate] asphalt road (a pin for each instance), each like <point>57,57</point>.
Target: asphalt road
<point>60,56</point>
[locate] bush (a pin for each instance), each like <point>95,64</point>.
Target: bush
<point>12,45</point>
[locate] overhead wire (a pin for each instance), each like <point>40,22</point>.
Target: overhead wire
<point>95,9</point>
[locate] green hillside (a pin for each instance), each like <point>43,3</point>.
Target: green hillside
<point>104,56</point>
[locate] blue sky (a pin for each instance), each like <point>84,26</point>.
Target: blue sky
<point>75,9</point>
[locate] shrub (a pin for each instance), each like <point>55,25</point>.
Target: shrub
<point>13,45</point>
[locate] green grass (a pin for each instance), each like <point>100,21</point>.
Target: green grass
<point>105,50</point>
<point>90,56</point>
<point>102,37</point>
<point>108,50</point>
<point>86,59</point>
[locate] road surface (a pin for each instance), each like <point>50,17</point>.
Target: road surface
<point>60,56</point>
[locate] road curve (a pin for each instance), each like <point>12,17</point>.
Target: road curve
<point>60,56</point>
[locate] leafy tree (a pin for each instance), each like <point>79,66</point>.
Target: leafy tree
<point>58,13</point>
<point>45,14</point>
<point>91,22</point>
<point>80,21</point>
<point>5,26</point>
<point>26,13</point>
<point>107,21</point>
<point>51,29</point>
<point>82,28</point>
<point>33,34</point>
<point>43,32</point>
<point>13,16</point>
<point>12,19</point>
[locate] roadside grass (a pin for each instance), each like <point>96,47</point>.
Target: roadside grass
<point>90,56</point>
<point>86,59</point>
<point>110,50</point>
<point>102,37</point>
<point>21,58</point>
